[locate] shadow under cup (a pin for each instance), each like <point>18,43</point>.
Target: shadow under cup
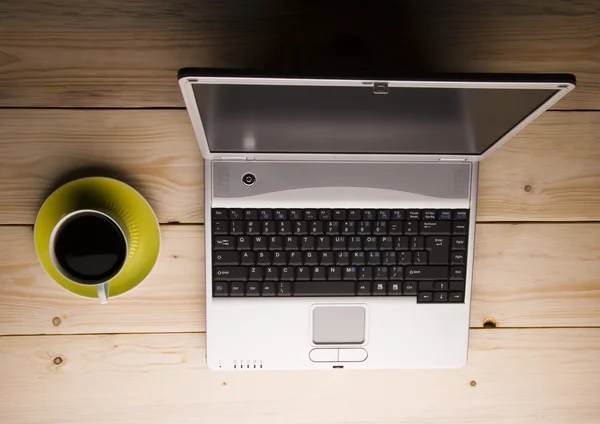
<point>89,248</point>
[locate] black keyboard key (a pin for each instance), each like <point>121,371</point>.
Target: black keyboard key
<point>404,258</point>
<point>264,258</point>
<point>236,214</point>
<point>364,228</point>
<point>301,228</point>
<point>425,297</point>
<point>330,288</point>
<point>253,289</point>
<point>348,228</point>
<point>461,215</point>
<point>287,273</point>
<point>381,273</point>
<point>445,215</point>
<point>307,243</point>
<point>332,228</point>
<point>363,288</point>
<point>237,289</point>
<point>279,258</point>
<point>271,273</point>
<point>398,214</point>
<point>268,228</point>
<point>316,228</point>
<point>354,215</point>
<point>248,258</point>
<point>459,243</point>
<point>365,273</point>
<point>417,243</point>
<point>236,228</point>
<point>318,273</point>
<point>311,258</point>
<point>326,258</point>
<point>413,214</point>
<point>441,228</point>
<point>394,289</point>
<point>420,258</point>
<point>334,273</point>
<point>268,289</point>
<point>458,258</point>
<point>230,273</point>
<point>409,288</point>
<point>380,228</point>
<point>220,228</point>
<point>457,297</point>
<point>256,273</point>
<point>425,285</point>
<point>323,243</point>
<point>295,214</point>
<point>439,249</point>
<point>224,243</point>
<point>401,243</point>
<point>374,258</point>
<point>284,228</point>
<point>339,215</point>
<point>280,214</point>
<point>459,228</point>
<point>370,243</point>
<point>368,215</point>
<point>221,289</point>
<point>355,243</point>
<point>395,228</point>
<point>275,243</point>
<point>265,214</point>
<point>251,214</point>
<point>310,214</point>
<point>342,258</point>
<point>411,227</point>
<point>253,228</point>
<point>396,273</point>
<point>260,243</point>
<point>390,258</point>
<point>284,289</point>
<point>429,214</point>
<point>295,258</point>
<point>226,258</point>
<point>219,214</point>
<point>339,243</point>
<point>324,214</point>
<point>457,273</point>
<point>379,288</point>
<point>440,297</point>
<point>383,215</point>
<point>291,243</point>
<point>350,273</point>
<point>426,272</point>
<point>440,286</point>
<point>457,286</point>
<point>302,273</point>
<point>358,258</point>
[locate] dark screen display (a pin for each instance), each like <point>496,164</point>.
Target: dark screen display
<point>329,119</point>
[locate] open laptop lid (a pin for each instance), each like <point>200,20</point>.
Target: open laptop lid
<point>253,115</point>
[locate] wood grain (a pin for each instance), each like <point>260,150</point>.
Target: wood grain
<point>111,54</point>
<point>526,275</point>
<point>558,157</point>
<point>516,376</point>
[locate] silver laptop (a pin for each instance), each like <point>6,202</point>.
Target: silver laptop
<point>340,212</point>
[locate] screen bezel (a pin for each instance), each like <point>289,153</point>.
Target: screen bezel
<point>188,77</point>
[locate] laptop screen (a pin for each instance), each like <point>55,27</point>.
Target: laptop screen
<point>354,120</point>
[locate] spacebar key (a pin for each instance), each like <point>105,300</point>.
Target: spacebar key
<point>324,288</point>
<point>425,272</point>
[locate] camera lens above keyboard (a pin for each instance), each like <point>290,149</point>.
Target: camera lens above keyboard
<point>340,252</point>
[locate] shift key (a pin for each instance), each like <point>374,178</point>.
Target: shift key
<point>426,272</point>
<point>230,273</point>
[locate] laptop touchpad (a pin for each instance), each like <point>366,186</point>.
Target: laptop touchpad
<point>334,324</point>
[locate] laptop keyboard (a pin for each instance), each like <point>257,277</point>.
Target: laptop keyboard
<point>340,252</point>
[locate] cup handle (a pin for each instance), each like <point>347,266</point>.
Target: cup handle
<point>103,292</point>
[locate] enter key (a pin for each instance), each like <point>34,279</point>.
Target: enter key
<point>439,249</point>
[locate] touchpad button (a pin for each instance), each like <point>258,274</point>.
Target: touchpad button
<point>339,324</point>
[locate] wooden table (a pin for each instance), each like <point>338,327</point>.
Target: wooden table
<point>92,85</point>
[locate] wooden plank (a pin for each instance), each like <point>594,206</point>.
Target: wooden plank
<point>526,275</point>
<point>113,54</point>
<point>558,157</point>
<point>517,376</point>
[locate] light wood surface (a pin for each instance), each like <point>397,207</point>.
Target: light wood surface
<point>516,376</point>
<point>557,158</point>
<point>112,53</point>
<point>526,275</point>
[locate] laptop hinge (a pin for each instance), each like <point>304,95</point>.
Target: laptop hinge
<point>233,158</point>
<point>453,159</point>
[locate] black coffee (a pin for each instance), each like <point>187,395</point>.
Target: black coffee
<point>90,248</point>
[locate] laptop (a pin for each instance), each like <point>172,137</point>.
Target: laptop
<point>340,212</point>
